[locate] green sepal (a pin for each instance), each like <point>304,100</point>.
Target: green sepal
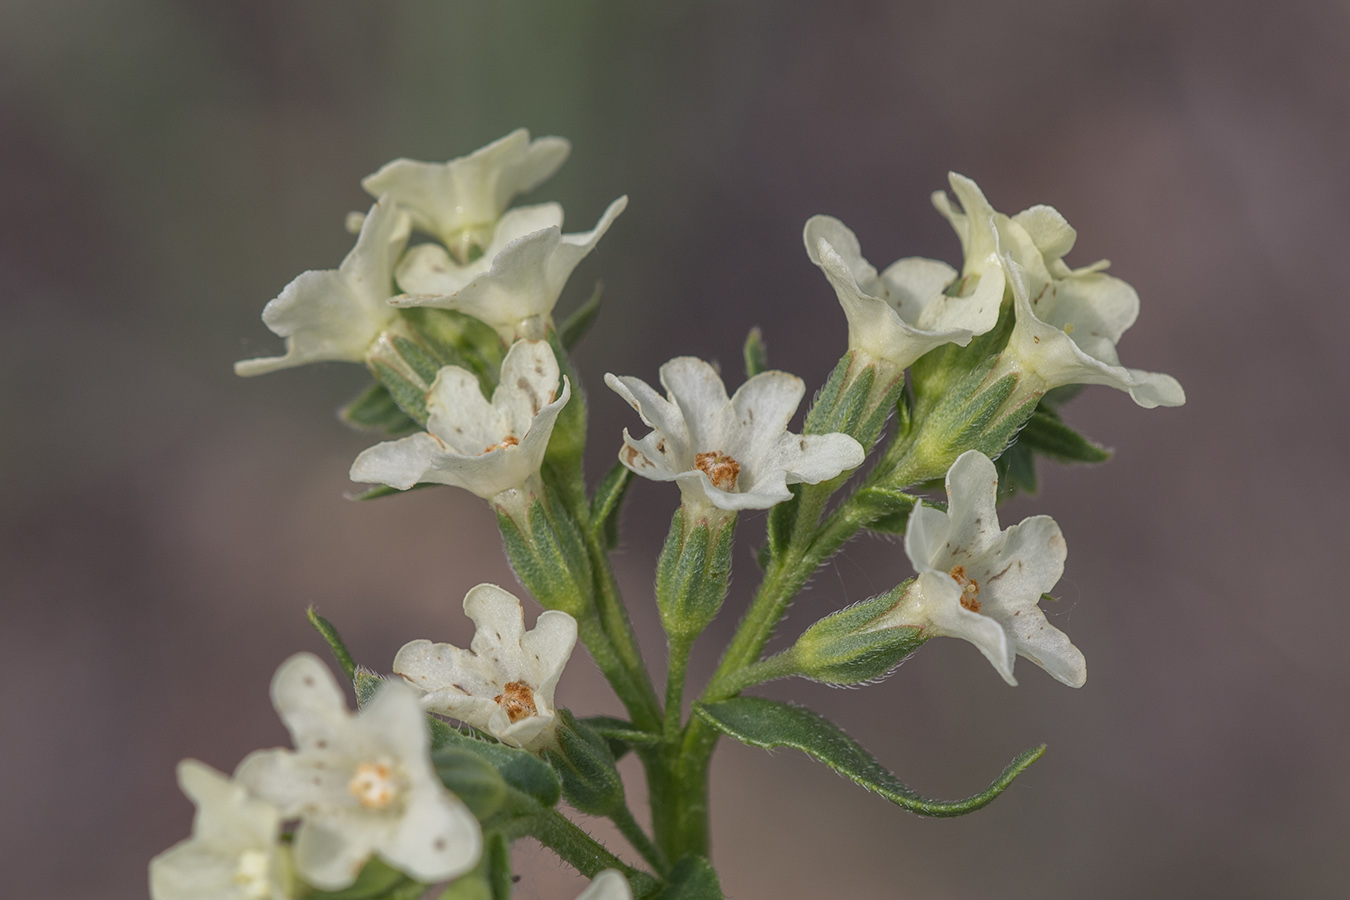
<point>410,396</point>
<point>769,724</point>
<point>620,735</point>
<point>692,878</point>
<point>549,557</point>
<point>520,769</point>
<point>366,683</point>
<point>781,520</point>
<point>1047,434</point>
<point>456,339</point>
<point>384,490</point>
<point>756,353</point>
<point>423,364</point>
<point>885,509</point>
<point>939,371</point>
<point>375,410</point>
<point>585,765</point>
<point>606,502</point>
<point>843,648</point>
<point>334,641</point>
<point>567,444</point>
<point>693,573</point>
<point>472,779</point>
<point>376,881</point>
<point>582,318</point>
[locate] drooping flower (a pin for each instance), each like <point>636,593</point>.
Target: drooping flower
<point>504,683</point>
<point>461,200</point>
<point>900,314</point>
<point>608,885</point>
<point>487,447</point>
<point>1068,321</point>
<point>235,852</point>
<point>334,314</point>
<point>983,584</point>
<point>732,453</point>
<point>516,283</point>
<point>362,784</point>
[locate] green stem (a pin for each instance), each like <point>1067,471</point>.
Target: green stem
<point>679,667</point>
<point>778,666</point>
<point>644,710</point>
<point>631,830</point>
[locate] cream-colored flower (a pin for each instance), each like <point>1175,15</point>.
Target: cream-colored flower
<point>235,852</point>
<point>334,314</point>
<point>608,885</point>
<point>504,683</point>
<point>516,283</point>
<point>915,305</point>
<point>733,453</point>
<point>461,200</point>
<point>982,584</point>
<point>362,784</point>
<point>1068,321</point>
<point>487,447</point>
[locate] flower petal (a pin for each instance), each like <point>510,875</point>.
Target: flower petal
<point>547,648</point>
<point>608,885</point>
<point>430,269</point>
<point>972,492</point>
<point>925,536</point>
<point>330,853</point>
<point>942,604</point>
<point>436,839</point>
<point>307,697</point>
<point>697,391</point>
<point>399,464</point>
<point>764,406</point>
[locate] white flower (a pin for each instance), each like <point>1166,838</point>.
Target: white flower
<point>456,200</point>
<point>608,885</point>
<point>733,453</point>
<point>982,584</point>
<point>484,447</point>
<point>518,280</point>
<point>235,852</point>
<point>361,784</point>
<point>1068,321</point>
<point>334,314</point>
<point>904,312</point>
<point>504,683</point>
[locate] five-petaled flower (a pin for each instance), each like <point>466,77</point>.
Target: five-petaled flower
<point>1068,321</point>
<point>335,314</point>
<point>983,584</point>
<point>731,453</point>
<point>516,282</point>
<point>504,683</point>
<point>235,852</point>
<point>900,314</point>
<point>361,784</point>
<point>487,447</point>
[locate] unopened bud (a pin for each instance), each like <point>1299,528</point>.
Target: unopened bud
<point>855,645</point>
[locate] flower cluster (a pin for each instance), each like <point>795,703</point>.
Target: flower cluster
<point>447,299</point>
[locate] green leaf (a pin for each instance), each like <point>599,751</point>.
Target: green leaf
<point>609,496</point>
<point>1046,434</point>
<point>620,735</point>
<point>472,779</point>
<point>886,508</point>
<point>330,634</point>
<point>1016,471</point>
<point>692,878</point>
<point>410,397</point>
<point>767,723</point>
<point>384,490</point>
<point>756,353</point>
<point>375,410</point>
<point>581,320</point>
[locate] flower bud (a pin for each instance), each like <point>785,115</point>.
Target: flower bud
<point>584,764</point>
<point>848,647</point>
<point>693,572</point>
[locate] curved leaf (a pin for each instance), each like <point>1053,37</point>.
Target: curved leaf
<point>767,723</point>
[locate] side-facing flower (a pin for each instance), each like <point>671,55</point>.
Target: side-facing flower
<point>334,314</point>
<point>361,784</point>
<point>461,200</point>
<point>900,314</point>
<point>1068,321</point>
<point>608,885</point>
<point>504,683</point>
<point>983,584</point>
<point>516,283</point>
<point>732,453</point>
<point>487,447</point>
<point>235,852</point>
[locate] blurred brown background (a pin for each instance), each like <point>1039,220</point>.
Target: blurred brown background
<point>166,166</point>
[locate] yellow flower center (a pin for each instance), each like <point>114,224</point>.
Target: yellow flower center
<point>517,698</point>
<point>373,785</point>
<point>970,588</point>
<point>720,468</point>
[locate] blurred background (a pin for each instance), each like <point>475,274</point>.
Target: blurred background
<point>166,166</point>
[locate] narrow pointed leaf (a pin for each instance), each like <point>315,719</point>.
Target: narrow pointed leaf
<point>384,490</point>
<point>581,320</point>
<point>756,353</point>
<point>1047,434</point>
<point>768,723</point>
<point>609,496</point>
<point>334,640</point>
<point>375,410</point>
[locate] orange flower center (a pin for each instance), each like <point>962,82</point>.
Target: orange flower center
<point>970,588</point>
<point>517,698</point>
<point>721,469</point>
